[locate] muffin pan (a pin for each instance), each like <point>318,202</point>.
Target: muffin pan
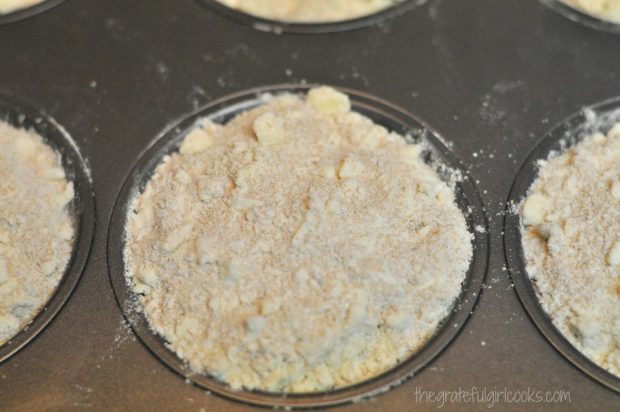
<point>116,73</point>
<point>381,112</point>
<point>598,118</point>
<point>24,116</point>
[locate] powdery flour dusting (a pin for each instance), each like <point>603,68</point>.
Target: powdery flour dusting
<point>301,247</point>
<point>571,241</point>
<point>309,11</point>
<point>36,229</point>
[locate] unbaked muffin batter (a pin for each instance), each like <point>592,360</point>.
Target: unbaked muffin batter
<point>571,240</point>
<point>309,11</point>
<point>300,247</point>
<point>603,9</point>
<point>8,6</point>
<point>36,229</point>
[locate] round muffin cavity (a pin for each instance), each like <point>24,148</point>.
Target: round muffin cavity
<point>36,228</point>
<point>315,11</point>
<point>300,247</point>
<point>608,10</point>
<point>571,241</point>
<point>8,6</point>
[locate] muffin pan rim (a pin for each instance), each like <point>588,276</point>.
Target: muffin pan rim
<point>167,142</point>
<point>21,14</point>
<point>277,26</point>
<point>19,112</point>
<point>582,17</point>
<point>564,134</point>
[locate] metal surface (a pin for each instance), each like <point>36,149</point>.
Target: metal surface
<point>383,113</point>
<point>491,76</point>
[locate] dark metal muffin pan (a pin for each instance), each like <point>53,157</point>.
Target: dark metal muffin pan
<point>22,115</point>
<point>490,76</point>
<point>564,135</point>
<point>381,112</point>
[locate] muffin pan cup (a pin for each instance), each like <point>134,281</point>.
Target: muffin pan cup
<point>276,26</point>
<point>382,112</point>
<point>23,115</point>
<point>597,118</point>
<point>24,13</point>
<point>582,17</point>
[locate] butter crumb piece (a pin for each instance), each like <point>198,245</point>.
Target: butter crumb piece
<point>8,323</point>
<point>145,279</point>
<point>615,131</point>
<point>189,326</point>
<point>613,257</point>
<point>66,232</point>
<point>357,313</point>
<point>54,173</point>
<point>66,196</point>
<point>351,167</point>
<point>411,153</point>
<point>327,100</point>
<point>535,209</point>
<point>615,189</point>
<point>269,306</point>
<point>301,276</point>
<point>26,147</point>
<point>4,273</point>
<point>210,189</point>
<point>398,320</point>
<point>328,171</point>
<point>230,271</point>
<point>196,141</point>
<point>269,129</point>
<point>255,323</point>
<point>4,236</point>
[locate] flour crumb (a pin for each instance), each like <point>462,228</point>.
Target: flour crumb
<point>306,248</point>
<point>36,229</point>
<point>571,240</point>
